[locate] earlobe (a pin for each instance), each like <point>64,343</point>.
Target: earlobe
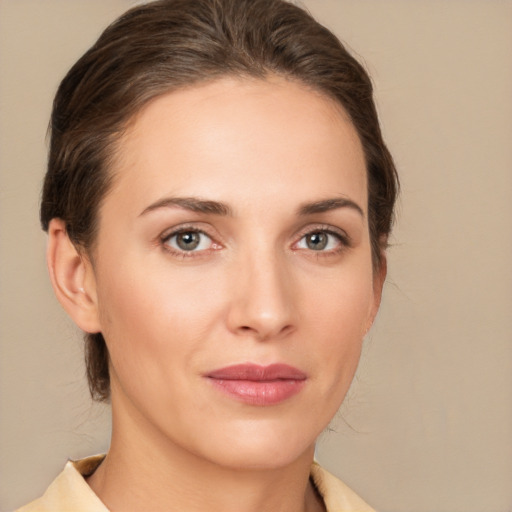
<point>72,278</point>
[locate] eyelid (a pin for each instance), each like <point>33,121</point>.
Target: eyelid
<point>199,227</point>
<point>327,228</point>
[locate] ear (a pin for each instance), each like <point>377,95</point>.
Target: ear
<point>72,278</point>
<point>379,276</point>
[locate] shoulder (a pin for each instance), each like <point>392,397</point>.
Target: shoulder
<point>337,496</point>
<point>70,491</point>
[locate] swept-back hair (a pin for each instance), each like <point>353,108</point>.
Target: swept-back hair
<point>165,45</point>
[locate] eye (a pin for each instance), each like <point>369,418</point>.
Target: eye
<point>321,240</point>
<point>188,240</point>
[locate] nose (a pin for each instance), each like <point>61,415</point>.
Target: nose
<point>263,303</point>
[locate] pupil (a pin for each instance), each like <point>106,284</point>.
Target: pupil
<point>188,241</point>
<point>317,241</point>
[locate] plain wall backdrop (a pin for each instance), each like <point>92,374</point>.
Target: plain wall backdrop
<point>427,426</point>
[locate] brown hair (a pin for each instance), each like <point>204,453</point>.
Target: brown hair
<point>164,45</point>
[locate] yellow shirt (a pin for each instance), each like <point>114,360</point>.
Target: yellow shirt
<point>69,492</point>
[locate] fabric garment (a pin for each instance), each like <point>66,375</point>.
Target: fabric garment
<point>69,492</point>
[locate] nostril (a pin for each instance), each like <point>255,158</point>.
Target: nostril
<point>263,334</point>
<point>245,328</point>
<point>286,329</point>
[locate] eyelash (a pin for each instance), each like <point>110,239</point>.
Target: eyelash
<point>342,238</point>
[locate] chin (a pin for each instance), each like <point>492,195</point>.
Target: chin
<point>260,447</point>
<point>260,460</point>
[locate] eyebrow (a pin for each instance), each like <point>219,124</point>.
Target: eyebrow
<point>329,204</point>
<point>206,206</point>
<point>193,204</point>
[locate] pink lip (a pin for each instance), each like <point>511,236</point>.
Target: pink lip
<point>259,385</point>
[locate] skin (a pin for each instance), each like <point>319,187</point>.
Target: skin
<point>252,291</point>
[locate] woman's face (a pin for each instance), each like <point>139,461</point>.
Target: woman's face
<point>233,270</point>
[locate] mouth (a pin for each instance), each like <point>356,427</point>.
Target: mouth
<point>258,385</point>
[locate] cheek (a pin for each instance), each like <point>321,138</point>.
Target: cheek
<point>343,302</point>
<point>153,334</point>
<point>152,320</point>
<point>339,315</point>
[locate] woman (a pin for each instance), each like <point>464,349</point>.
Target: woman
<point>218,202</point>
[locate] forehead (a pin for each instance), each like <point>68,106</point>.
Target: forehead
<point>239,138</point>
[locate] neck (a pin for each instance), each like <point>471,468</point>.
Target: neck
<point>155,473</point>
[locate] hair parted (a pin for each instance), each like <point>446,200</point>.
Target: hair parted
<point>165,45</point>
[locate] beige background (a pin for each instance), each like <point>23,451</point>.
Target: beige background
<point>428,424</point>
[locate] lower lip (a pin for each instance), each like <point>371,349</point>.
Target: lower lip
<point>259,392</point>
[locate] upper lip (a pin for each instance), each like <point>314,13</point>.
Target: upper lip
<point>258,373</point>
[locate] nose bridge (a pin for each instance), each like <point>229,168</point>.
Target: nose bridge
<point>263,302</point>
